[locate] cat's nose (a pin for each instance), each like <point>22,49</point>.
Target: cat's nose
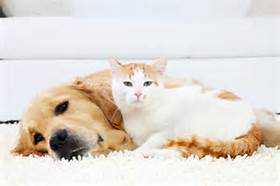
<point>138,94</point>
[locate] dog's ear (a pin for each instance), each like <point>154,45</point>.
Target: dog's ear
<point>24,146</point>
<point>120,140</point>
<point>98,88</point>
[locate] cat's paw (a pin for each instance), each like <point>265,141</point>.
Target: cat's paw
<point>167,153</point>
<point>142,152</point>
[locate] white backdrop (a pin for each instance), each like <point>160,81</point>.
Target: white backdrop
<point>256,79</point>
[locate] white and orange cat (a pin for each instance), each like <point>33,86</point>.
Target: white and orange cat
<point>181,121</point>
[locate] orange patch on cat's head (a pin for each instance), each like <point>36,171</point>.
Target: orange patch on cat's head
<point>128,70</point>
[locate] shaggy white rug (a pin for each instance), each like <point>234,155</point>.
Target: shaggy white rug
<point>127,169</point>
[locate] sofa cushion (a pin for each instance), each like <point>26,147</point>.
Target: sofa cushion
<point>64,38</point>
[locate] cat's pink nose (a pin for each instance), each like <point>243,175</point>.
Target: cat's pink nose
<point>138,94</point>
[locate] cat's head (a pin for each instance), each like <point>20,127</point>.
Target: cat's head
<point>137,84</point>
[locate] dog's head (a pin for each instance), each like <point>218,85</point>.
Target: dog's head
<point>69,121</point>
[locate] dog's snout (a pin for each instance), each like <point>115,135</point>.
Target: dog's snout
<point>66,145</point>
<point>61,135</point>
<point>58,139</point>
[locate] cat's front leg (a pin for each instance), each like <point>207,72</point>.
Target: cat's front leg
<point>153,146</point>
<point>167,153</point>
<point>155,141</point>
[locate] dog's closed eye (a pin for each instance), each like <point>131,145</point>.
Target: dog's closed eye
<point>61,108</point>
<point>38,137</point>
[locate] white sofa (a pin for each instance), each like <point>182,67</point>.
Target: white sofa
<point>240,53</point>
<point>186,7</point>
<point>84,38</point>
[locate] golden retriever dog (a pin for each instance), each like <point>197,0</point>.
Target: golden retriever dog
<point>72,120</point>
<point>80,118</point>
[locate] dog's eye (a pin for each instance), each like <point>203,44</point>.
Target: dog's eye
<point>127,83</point>
<point>61,108</point>
<point>38,138</point>
<point>100,139</point>
<point>147,83</point>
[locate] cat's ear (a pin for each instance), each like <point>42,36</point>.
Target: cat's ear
<point>160,65</point>
<point>116,66</point>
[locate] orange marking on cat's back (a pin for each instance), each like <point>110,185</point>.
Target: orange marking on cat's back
<point>227,95</point>
<point>200,146</point>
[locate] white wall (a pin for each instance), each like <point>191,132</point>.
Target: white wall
<point>256,79</point>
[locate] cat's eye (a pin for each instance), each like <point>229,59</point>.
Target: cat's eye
<point>147,83</point>
<point>61,108</point>
<point>127,83</point>
<point>38,137</point>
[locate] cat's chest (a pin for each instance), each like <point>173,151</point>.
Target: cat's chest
<point>141,128</point>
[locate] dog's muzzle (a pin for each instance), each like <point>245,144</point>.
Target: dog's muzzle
<point>67,146</point>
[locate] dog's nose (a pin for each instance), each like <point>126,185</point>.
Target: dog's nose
<point>65,145</point>
<point>58,139</point>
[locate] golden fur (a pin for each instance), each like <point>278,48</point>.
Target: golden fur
<point>270,127</point>
<point>91,111</point>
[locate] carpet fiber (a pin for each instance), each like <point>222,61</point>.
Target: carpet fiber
<point>124,168</point>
